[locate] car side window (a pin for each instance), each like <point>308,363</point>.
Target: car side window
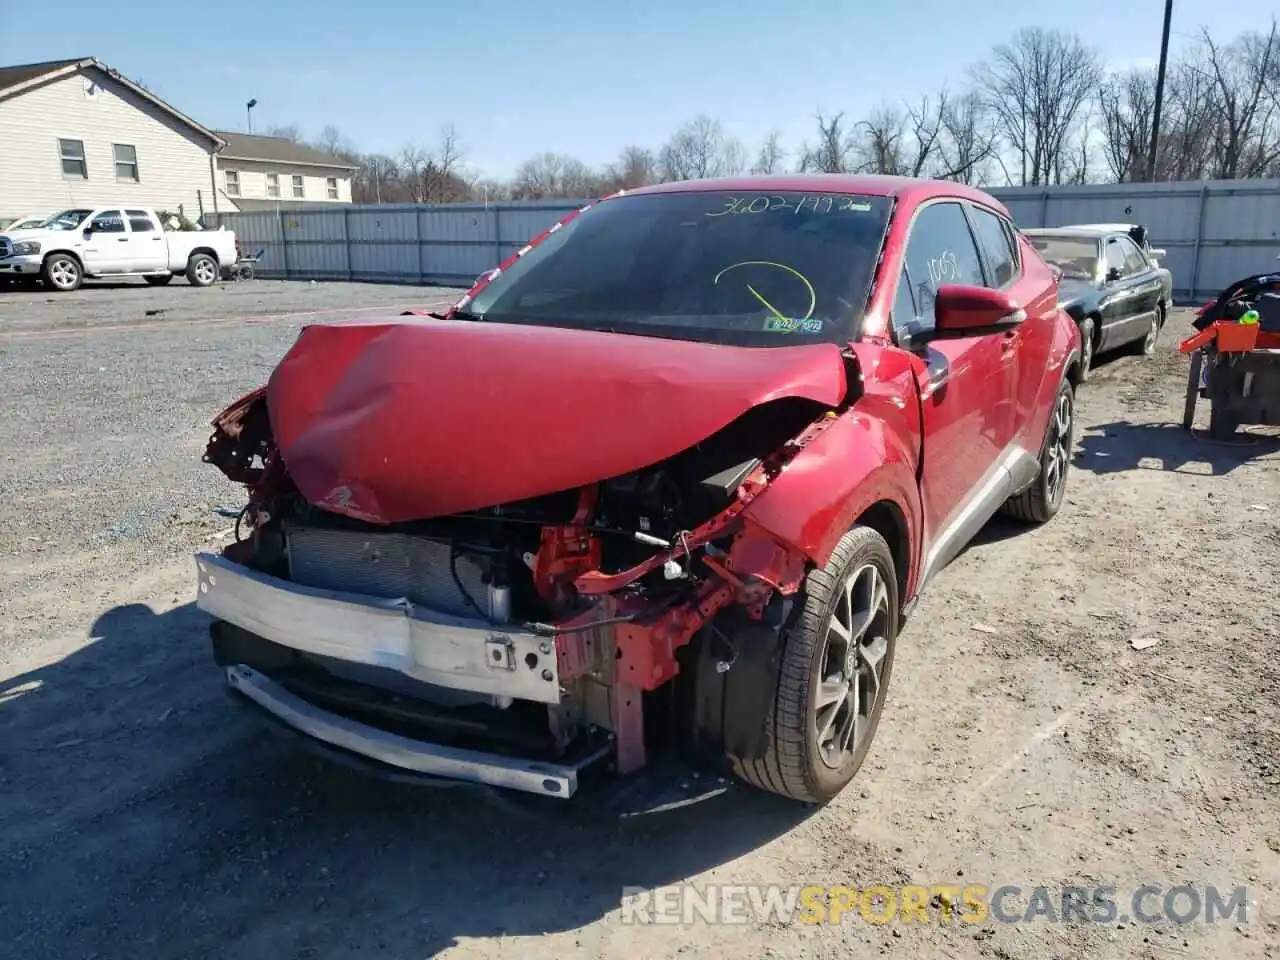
<point>1134,259</point>
<point>940,250</point>
<point>140,221</point>
<point>1115,256</point>
<point>109,221</point>
<point>1002,260</point>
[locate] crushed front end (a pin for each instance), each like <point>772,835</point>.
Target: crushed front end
<point>521,644</point>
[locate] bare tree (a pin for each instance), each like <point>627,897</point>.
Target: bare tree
<point>771,155</point>
<point>1241,73</point>
<point>970,140</point>
<point>880,143</point>
<point>1036,86</point>
<point>288,132</point>
<point>700,149</point>
<point>635,167</point>
<point>833,152</point>
<point>1126,107</point>
<point>554,175</point>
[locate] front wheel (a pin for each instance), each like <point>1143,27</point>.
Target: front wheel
<point>62,272</point>
<point>1041,501</point>
<point>833,674</point>
<point>202,270</point>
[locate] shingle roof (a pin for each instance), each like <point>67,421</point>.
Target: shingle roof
<point>21,73</point>
<point>244,146</point>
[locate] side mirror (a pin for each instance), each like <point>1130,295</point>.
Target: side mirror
<point>964,311</point>
<point>1158,253</point>
<point>88,232</point>
<point>1113,274</point>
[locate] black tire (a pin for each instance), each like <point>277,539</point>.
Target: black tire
<point>1088,344</point>
<point>159,281</point>
<point>792,762</point>
<point>202,270</point>
<point>1040,502</point>
<point>1193,389</point>
<point>62,272</point>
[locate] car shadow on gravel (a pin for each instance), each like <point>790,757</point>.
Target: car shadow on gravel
<point>1121,446</point>
<point>143,814</point>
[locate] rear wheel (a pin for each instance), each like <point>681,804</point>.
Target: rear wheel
<point>833,674</point>
<point>1041,501</point>
<point>202,270</point>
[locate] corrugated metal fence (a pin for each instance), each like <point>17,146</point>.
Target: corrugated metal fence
<point>1215,232</point>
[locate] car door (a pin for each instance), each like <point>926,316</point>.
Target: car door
<point>147,250</point>
<point>1120,305</point>
<point>1027,348</point>
<point>1145,281</point>
<point>966,411</point>
<point>105,247</point>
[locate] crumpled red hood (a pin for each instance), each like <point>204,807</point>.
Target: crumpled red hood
<point>410,419</point>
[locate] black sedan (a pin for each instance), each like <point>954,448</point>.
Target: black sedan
<point>1109,286</point>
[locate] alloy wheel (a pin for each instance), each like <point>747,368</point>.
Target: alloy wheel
<point>850,683</point>
<point>1058,452</point>
<point>64,274</point>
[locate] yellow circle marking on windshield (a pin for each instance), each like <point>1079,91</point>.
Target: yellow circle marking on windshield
<point>813,296</point>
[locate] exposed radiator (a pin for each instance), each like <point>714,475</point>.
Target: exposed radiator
<point>387,565</point>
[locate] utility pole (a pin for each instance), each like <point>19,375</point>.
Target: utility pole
<point>1155,116</point>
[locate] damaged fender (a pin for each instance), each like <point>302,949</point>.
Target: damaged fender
<point>878,462</point>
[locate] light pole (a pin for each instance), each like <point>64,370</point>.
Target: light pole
<point>248,112</point>
<point>1155,115</point>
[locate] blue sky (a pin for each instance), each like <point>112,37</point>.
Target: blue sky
<point>575,76</point>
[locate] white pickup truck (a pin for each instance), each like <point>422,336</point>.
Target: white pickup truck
<point>114,242</point>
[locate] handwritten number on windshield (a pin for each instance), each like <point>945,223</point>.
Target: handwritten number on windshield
<point>807,203</point>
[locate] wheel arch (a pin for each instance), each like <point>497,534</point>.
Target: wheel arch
<point>887,519</point>
<point>205,250</point>
<point>71,254</point>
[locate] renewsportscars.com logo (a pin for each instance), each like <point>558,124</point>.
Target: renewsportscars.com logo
<point>938,903</point>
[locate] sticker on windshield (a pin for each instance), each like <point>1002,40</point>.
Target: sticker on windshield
<point>775,324</point>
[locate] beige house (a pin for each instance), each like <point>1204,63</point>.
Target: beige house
<point>76,133</point>
<point>256,173</point>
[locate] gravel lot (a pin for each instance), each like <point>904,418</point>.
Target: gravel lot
<point>1026,740</point>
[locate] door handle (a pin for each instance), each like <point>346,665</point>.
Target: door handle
<point>122,239</point>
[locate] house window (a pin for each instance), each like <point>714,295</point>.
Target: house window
<point>126,161</point>
<point>297,188</point>
<point>233,183</point>
<point>333,188</point>
<point>273,184</point>
<point>72,153</point>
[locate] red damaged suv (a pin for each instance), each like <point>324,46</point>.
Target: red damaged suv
<point>666,484</point>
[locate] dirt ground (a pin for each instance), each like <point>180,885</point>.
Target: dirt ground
<point>1026,740</point>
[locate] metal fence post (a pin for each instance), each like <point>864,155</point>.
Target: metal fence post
<point>284,242</point>
<point>346,239</point>
<point>417,239</point>
<point>497,234</point>
<point>1044,207</point>
<point>1195,253</point>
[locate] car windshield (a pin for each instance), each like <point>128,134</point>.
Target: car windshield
<point>1076,257</point>
<point>66,220</point>
<point>748,269</point>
